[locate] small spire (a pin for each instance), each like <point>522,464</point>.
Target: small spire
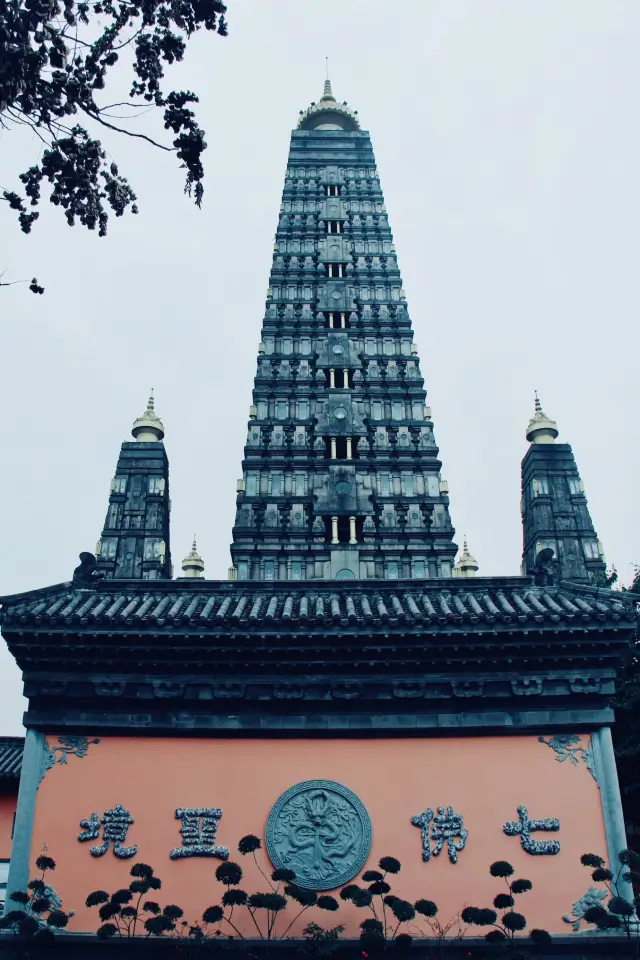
<point>148,428</point>
<point>541,428</point>
<point>467,565</point>
<point>193,564</point>
<point>327,94</point>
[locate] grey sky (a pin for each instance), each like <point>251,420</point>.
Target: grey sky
<point>507,142</point>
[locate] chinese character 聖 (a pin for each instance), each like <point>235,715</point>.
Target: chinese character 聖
<point>199,828</point>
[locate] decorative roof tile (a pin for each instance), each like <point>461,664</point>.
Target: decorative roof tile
<point>11,750</point>
<point>219,605</point>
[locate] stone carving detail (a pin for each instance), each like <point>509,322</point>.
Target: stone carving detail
<point>567,746</point>
<point>115,825</point>
<point>199,829</point>
<point>467,688</point>
<point>444,827</point>
<point>592,898</point>
<point>322,831</point>
<point>523,828</point>
<point>68,746</point>
<point>526,686</point>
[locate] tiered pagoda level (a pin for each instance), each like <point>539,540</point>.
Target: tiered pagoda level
<point>341,476</point>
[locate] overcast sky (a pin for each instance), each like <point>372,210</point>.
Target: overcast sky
<point>506,137</point>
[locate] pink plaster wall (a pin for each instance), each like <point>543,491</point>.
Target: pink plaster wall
<point>484,778</point>
<point>8,802</point>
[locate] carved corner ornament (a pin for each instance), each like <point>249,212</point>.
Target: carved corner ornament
<point>68,746</point>
<point>568,746</point>
<point>321,831</point>
<point>592,898</point>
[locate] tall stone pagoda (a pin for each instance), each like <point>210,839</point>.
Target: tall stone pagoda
<point>341,476</point>
<point>350,692</point>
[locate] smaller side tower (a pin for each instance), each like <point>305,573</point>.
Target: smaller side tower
<point>555,514</point>
<point>135,538</point>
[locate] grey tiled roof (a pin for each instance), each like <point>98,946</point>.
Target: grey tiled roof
<point>212,605</point>
<point>11,750</point>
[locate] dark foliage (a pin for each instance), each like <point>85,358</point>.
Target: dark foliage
<point>389,865</point>
<point>55,59</point>
<point>229,873</point>
<point>479,916</point>
<point>96,898</point>
<point>379,888</point>
<point>283,874</point>
<point>361,898</point>
<point>513,921</point>
<point>506,928</point>
<point>503,900</point>
<point>501,869</point>
<point>267,901</point>
<point>591,860</point>
<point>29,924</point>
<point>234,898</point>
<point>123,912</point>
<point>621,911</point>
<point>426,907</point>
<point>326,902</point>
<point>249,844</point>
<point>305,898</point>
<point>403,941</point>
<point>213,914</point>
<point>403,910</point>
<point>347,892</point>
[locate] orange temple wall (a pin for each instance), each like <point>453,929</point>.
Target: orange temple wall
<point>485,779</point>
<point>8,802</point>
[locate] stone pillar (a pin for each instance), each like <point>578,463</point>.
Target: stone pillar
<point>334,530</point>
<point>352,530</point>
<point>334,452</point>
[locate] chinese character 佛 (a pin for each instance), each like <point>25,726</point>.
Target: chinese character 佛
<point>199,828</point>
<point>115,825</point>
<point>444,827</point>
<point>523,826</point>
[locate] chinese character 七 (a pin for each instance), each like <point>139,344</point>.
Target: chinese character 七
<point>523,827</point>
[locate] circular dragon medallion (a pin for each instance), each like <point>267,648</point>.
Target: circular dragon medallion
<point>321,831</point>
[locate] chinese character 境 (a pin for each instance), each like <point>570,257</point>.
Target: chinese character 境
<point>199,828</point>
<point>442,828</point>
<point>524,826</point>
<point>115,825</point>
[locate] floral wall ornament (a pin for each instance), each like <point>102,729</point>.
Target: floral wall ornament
<point>568,746</point>
<point>68,746</point>
<point>592,898</point>
<point>523,827</point>
<point>443,828</point>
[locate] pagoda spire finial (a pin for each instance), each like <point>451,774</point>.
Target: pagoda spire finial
<point>148,428</point>
<point>327,92</point>
<point>193,565</point>
<point>467,565</point>
<point>541,428</point>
